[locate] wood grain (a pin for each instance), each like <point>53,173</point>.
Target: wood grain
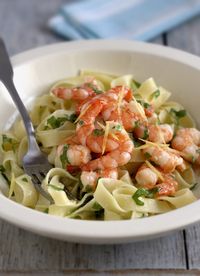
<point>24,251</point>
<point>112,273</point>
<point>187,37</point>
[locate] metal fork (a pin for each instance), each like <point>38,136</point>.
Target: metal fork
<point>35,163</point>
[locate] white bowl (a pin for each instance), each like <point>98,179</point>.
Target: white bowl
<point>36,69</point>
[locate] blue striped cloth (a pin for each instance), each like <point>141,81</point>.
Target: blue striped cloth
<point>128,19</point>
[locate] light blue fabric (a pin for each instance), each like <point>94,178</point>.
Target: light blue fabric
<point>128,19</point>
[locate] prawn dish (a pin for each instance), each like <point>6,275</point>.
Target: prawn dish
<point>119,149</point>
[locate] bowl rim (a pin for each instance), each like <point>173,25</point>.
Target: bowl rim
<point>99,232</point>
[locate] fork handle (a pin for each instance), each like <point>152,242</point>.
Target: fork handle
<point>6,76</point>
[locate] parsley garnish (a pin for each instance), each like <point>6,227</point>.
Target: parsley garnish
<point>81,122</point>
<point>63,158</point>
<point>144,192</point>
<point>95,89</point>
<point>72,118</point>
<point>155,94</point>
<point>56,122</point>
<point>98,132</point>
<point>179,114</point>
<point>117,127</point>
<point>96,206</point>
<point>8,143</point>
<point>147,155</point>
<point>140,192</point>
<point>137,123</point>
<point>144,104</point>
<point>24,179</point>
<point>135,85</point>
<point>146,134</point>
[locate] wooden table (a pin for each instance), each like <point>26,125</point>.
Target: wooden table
<point>23,26</point>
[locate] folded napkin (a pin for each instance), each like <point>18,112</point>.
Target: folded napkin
<point>128,19</point>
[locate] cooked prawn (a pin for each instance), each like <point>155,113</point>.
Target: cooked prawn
<point>80,93</point>
<point>187,141</point>
<point>160,133</point>
<point>168,187</point>
<point>93,137</point>
<point>148,179</point>
<point>163,158</point>
<point>113,159</point>
<point>129,115</point>
<point>91,178</point>
<point>76,155</point>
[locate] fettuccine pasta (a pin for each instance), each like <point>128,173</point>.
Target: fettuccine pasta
<point>119,150</point>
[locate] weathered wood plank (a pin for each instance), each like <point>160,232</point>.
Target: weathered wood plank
<point>112,273</point>
<point>21,251</point>
<point>24,251</point>
<point>187,37</point>
<point>23,24</point>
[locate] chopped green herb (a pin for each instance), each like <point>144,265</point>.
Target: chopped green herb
<point>144,192</point>
<point>72,118</point>
<point>137,143</point>
<point>137,123</point>
<point>95,89</point>
<point>63,158</point>
<point>96,206</point>
<point>180,113</point>
<point>144,104</point>
<point>25,179</point>
<point>81,122</point>
<point>98,132</point>
<point>54,122</point>
<point>193,186</point>
<point>117,127</point>
<point>155,94</point>
<point>135,84</point>
<point>146,134</point>
<point>140,192</point>
<point>147,155</point>
<point>8,143</point>
<point>55,187</point>
<point>152,192</point>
